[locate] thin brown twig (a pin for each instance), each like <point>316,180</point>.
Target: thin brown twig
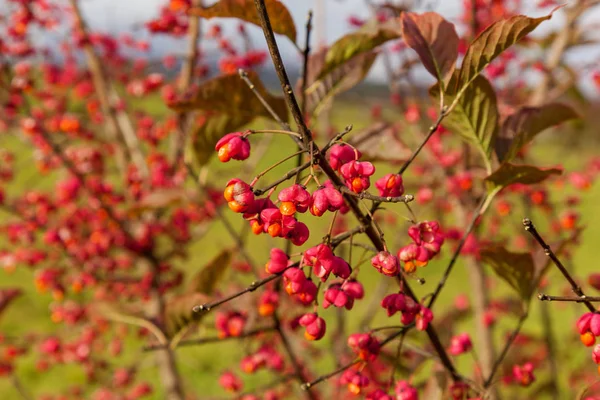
<point>504,352</point>
<point>212,339</point>
<point>250,288</point>
<point>370,231</point>
<point>463,240</point>
<point>407,198</point>
<point>573,299</point>
<point>529,227</point>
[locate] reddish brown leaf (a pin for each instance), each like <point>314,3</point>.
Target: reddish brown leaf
<point>229,94</point>
<point>435,41</point>
<point>521,127</point>
<point>380,142</point>
<point>227,104</point>
<point>7,296</point>
<point>509,174</point>
<point>516,269</point>
<point>281,19</point>
<point>341,79</point>
<point>211,274</point>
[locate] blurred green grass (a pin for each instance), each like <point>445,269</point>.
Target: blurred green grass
<point>201,366</point>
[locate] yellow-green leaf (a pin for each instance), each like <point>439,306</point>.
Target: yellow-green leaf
<point>475,116</point>
<point>179,314</point>
<point>492,42</point>
<point>338,81</point>
<point>211,275</point>
<point>367,38</point>
<point>522,126</point>
<point>281,19</point>
<point>435,41</point>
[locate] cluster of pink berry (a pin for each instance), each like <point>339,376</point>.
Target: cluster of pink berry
<point>410,310</point>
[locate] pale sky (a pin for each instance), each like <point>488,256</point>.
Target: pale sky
<point>123,15</point>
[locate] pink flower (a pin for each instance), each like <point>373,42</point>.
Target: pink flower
<point>413,256</point>
<point>354,380</point>
<point>233,145</point>
<point>390,185</point>
<point>523,374</point>
<point>324,262</point>
<point>278,261</point>
<point>589,322</point>
<point>364,345</point>
<point>314,326</point>
<point>230,382</point>
<point>340,154</point>
<point>385,263</point>
<point>460,344</point>
<point>404,391</point>
<point>239,195</point>
<point>428,235</point>
<point>596,354</point>
<point>343,295</point>
<point>325,199</point>
<point>295,198</point>
<point>423,318</point>
<point>378,394</point>
<point>357,175</point>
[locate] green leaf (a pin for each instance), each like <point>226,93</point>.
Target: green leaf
<point>281,19</point>
<point>521,127</point>
<point>341,79</point>
<point>226,104</point>
<point>509,174</point>
<point>366,39</point>
<point>492,42</point>
<point>475,116</point>
<point>211,275</point>
<point>516,269</point>
<point>435,41</point>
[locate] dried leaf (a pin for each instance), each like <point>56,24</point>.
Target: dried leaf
<point>475,117</point>
<point>281,19</point>
<point>227,104</point>
<point>492,42</point>
<point>516,269</point>
<point>366,39</point>
<point>211,275</point>
<point>435,41</point>
<point>522,126</point>
<point>341,79</point>
<point>380,142</point>
<point>229,94</point>
<point>212,128</point>
<point>509,174</point>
